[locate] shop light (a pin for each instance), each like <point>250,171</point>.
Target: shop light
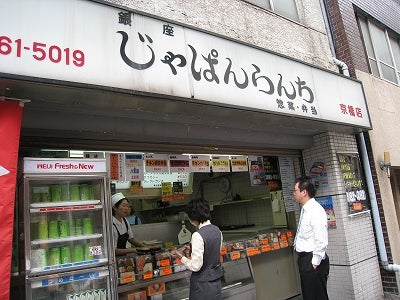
<point>385,164</point>
<point>76,153</point>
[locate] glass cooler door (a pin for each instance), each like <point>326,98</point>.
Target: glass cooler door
<point>65,225</point>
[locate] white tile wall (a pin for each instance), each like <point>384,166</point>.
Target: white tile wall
<point>354,263</point>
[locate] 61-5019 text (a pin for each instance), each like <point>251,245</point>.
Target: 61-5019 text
<point>42,51</point>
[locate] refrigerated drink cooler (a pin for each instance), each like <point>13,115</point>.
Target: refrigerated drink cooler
<point>68,253</point>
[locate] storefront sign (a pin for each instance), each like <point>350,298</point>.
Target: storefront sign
<point>54,166</point>
<point>125,50</point>
<point>356,194</point>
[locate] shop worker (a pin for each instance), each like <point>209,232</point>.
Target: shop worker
<point>311,241</point>
<point>122,231</point>
<point>204,260</point>
<point>132,218</point>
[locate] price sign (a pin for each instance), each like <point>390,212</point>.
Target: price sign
<point>265,248</point>
<point>235,255</point>
<point>252,251</point>
<point>353,179</point>
<point>166,271</point>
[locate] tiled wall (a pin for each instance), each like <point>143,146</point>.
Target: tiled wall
<point>352,251</point>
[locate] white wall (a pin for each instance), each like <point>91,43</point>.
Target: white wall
<point>245,22</point>
<point>383,99</point>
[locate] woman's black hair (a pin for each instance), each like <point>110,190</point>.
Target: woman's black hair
<point>198,210</point>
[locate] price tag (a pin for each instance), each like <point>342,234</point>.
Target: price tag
<point>166,271</point>
<point>265,248</point>
<point>148,275</point>
<point>252,251</point>
<point>127,278</point>
<point>235,255</point>
<point>165,262</point>
<point>357,206</point>
<point>284,244</point>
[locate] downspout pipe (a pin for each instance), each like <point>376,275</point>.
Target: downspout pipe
<point>342,66</point>
<point>374,208</point>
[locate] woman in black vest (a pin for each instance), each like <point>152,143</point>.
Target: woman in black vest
<point>122,231</point>
<point>205,258</point>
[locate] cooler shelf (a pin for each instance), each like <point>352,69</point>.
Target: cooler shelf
<point>66,239</point>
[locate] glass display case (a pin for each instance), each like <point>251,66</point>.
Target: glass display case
<point>66,212</point>
<point>237,283</point>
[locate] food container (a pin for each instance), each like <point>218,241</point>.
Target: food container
<point>74,192</point>
<point>39,258</point>
<point>126,269</point>
<point>144,266</point>
<point>53,229</point>
<point>78,255</point>
<point>54,256</point>
<point>84,192</point>
<point>137,296</point>
<point>43,228</point>
<point>163,259</point>
<point>155,289</point>
<point>55,191</point>
<point>65,255</point>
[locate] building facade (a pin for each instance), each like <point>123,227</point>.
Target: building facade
<point>367,35</point>
<point>96,102</point>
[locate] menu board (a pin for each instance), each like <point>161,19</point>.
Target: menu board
<point>356,194</point>
<point>286,169</point>
<point>155,180</point>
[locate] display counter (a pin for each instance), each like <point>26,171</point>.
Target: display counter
<point>253,265</point>
<point>237,283</point>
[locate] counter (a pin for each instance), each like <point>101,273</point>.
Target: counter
<point>253,268</point>
<point>237,284</point>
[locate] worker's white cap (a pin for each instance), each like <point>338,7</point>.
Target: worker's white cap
<point>117,197</point>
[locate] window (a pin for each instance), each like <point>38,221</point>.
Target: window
<point>286,8</point>
<point>383,51</point>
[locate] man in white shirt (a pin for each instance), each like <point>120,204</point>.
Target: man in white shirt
<point>311,241</point>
